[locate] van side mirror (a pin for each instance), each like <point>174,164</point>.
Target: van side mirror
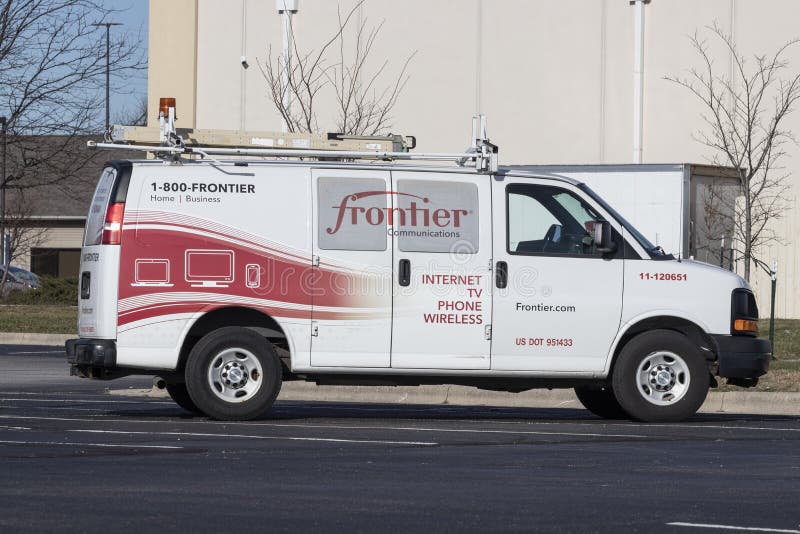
<point>603,240</point>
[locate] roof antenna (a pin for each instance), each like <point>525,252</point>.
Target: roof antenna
<point>485,152</point>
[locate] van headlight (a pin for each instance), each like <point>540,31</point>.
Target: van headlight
<point>744,313</point>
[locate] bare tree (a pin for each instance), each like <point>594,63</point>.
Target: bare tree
<point>52,76</point>
<point>364,103</point>
<point>133,115</point>
<point>52,80</point>
<point>744,115</point>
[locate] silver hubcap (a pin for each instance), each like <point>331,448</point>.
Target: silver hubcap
<point>663,378</point>
<point>235,375</point>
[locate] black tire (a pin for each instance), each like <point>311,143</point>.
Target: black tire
<point>660,376</point>
<point>600,400</point>
<point>233,374</point>
<point>180,395</point>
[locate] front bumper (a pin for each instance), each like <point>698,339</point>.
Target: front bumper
<point>92,358</point>
<point>742,357</point>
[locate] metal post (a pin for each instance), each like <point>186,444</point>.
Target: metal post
<point>108,67</point>
<point>730,260</point>
<point>774,276</point>
<point>108,76</point>
<point>4,129</point>
<point>638,78</point>
<point>722,252</point>
<point>285,61</point>
<point>286,8</point>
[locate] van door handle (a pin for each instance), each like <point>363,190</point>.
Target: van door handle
<point>404,272</point>
<point>501,275</point>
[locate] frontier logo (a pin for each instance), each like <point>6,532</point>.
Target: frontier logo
<point>416,214</point>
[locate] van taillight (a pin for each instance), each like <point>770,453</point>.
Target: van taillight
<point>112,228</point>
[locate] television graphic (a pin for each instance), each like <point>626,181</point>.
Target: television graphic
<point>209,268</point>
<point>151,272</point>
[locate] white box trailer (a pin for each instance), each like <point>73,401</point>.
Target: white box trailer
<point>686,209</point>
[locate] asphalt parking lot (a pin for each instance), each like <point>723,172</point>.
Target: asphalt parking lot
<point>75,458</point>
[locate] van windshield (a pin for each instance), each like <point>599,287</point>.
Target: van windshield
<point>653,250</point>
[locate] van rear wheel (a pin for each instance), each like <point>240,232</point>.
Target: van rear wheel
<point>660,376</point>
<point>233,374</point>
<point>180,395</point>
<point>600,400</point>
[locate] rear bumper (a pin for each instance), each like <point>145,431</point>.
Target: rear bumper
<point>742,357</point>
<point>92,358</point>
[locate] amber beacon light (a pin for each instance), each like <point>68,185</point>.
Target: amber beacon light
<point>164,104</point>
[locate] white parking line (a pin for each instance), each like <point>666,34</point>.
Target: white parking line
<point>246,436</point>
<point>41,394</point>
<point>718,427</point>
<point>732,527</point>
<point>456,430</point>
<point>88,444</point>
<point>627,425</point>
<point>82,401</point>
<point>37,352</point>
<point>15,427</point>
<point>51,408</point>
<point>100,418</point>
<point>337,427</point>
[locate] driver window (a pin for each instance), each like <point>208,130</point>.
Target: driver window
<point>549,220</point>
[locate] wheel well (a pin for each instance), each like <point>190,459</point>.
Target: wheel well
<point>236,316</point>
<point>666,322</point>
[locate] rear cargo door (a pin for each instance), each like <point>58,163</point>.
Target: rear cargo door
<point>99,272</point>
<point>351,288</point>
<point>442,243</point>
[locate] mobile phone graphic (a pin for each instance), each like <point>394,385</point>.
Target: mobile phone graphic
<point>253,275</point>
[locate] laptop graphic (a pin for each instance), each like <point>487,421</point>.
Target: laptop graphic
<point>151,272</point>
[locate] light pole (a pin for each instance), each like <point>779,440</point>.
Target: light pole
<point>108,66</point>
<point>3,252</point>
<point>638,78</point>
<point>286,8</point>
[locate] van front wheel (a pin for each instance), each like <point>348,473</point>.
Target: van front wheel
<point>660,376</point>
<point>233,374</point>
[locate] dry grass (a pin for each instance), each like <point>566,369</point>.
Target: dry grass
<point>784,370</point>
<point>39,318</point>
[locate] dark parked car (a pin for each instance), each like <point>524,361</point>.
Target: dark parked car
<point>26,277</point>
<point>19,280</point>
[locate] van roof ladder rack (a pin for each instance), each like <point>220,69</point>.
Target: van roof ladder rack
<point>176,142</point>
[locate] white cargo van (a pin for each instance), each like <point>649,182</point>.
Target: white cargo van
<point>226,278</point>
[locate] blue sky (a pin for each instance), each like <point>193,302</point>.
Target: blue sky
<point>133,14</point>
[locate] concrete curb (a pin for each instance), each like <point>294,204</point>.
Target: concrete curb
<point>21,338</point>
<point>754,402</point>
<point>739,402</point>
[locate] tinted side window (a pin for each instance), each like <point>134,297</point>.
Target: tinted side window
<point>352,214</point>
<point>93,233</point>
<point>550,221</point>
<point>435,216</point>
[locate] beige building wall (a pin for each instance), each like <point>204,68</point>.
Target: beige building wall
<point>58,237</point>
<point>172,61</point>
<point>555,78</point>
